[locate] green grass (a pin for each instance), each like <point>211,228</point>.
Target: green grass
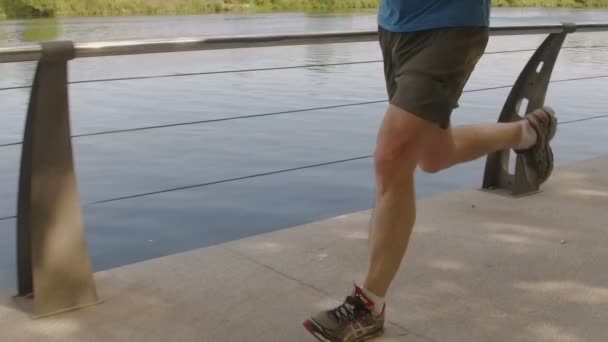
<point>73,8</point>
<point>65,8</point>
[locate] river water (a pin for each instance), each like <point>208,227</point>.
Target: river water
<point>119,165</point>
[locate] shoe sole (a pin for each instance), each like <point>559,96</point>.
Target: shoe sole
<point>548,150</point>
<point>312,328</point>
<point>553,127</point>
<point>552,131</point>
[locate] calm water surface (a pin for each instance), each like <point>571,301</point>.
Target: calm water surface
<point>124,164</point>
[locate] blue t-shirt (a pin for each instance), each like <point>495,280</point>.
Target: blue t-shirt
<point>417,15</point>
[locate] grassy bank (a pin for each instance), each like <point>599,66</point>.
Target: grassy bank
<point>71,8</point>
<point>64,8</point>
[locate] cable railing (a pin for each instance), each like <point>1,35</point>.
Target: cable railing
<point>282,112</point>
<point>49,213</point>
<point>264,174</point>
<point>285,112</point>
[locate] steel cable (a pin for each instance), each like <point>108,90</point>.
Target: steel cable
<point>193,186</point>
<point>188,123</point>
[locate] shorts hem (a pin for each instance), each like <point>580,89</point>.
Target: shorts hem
<point>437,117</point>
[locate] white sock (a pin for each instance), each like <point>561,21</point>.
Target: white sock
<point>378,301</point>
<point>528,136</point>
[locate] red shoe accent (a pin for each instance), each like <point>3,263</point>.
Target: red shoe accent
<point>309,326</point>
<point>368,302</point>
<point>359,293</point>
<point>382,312</point>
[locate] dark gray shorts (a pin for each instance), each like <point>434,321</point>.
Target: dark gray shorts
<point>426,71</point>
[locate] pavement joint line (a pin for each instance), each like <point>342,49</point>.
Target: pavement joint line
<point>282,274</point>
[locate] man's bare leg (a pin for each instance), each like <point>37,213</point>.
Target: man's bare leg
<point>469,142</point>
<point>400,145</point>
<point>405,142</point>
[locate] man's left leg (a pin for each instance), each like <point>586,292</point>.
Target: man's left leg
<point>530,137</point>
<point>441,149</point>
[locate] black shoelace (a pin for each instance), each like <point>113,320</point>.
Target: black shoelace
<point>347,311</point>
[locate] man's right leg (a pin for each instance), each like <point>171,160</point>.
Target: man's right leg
<point>402,141</point>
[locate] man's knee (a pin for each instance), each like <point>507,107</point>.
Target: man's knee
<point>392,165</point>
<point>388,159</point>
<point>400,144</point>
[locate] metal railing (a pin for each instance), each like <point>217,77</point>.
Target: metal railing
<point>49,213</point>
<point>34,52</point>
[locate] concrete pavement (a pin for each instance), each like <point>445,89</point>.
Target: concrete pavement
<point>481,267</point>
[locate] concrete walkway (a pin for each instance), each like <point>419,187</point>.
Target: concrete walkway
<point>481,267</point>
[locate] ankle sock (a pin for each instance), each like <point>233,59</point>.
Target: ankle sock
<point>528,136</point>
<point>378,301</point>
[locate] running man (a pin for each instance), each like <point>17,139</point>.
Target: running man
<point>430,48</point>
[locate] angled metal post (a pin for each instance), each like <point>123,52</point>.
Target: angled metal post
<point>532,86</point>
<point>54,268</point>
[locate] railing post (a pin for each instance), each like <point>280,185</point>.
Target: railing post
<point>532,86</point>
<point>54,268</point>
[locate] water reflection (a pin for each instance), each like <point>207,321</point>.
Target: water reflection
<point>40,30</point>
<point>593,50</point>
<point>328,53</point>
<point>18,75</point>
<point>27,31</point>
<point>320,54</point>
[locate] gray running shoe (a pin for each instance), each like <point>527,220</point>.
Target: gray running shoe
<point>540,156</point>
<point>352,321</point>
